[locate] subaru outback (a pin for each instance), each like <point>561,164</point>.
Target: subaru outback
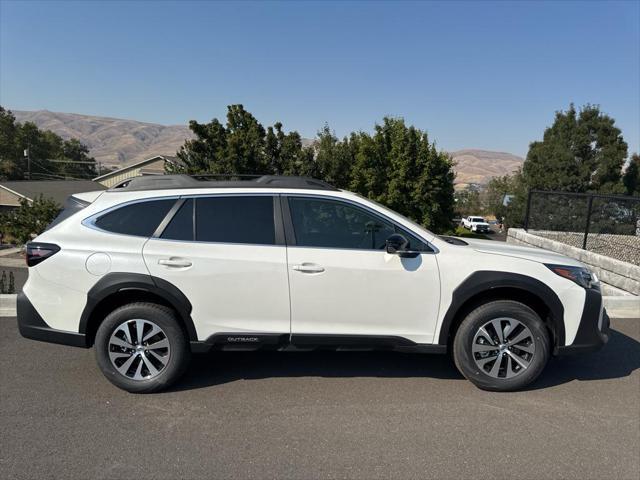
<point>157,268</point>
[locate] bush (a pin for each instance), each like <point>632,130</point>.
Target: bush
<point>7,287</point>
<point>28,220</point>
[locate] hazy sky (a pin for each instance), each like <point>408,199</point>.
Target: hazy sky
<point>474,75</point>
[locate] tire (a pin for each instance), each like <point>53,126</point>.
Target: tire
<point>523,354</point>
<point>156,362</point>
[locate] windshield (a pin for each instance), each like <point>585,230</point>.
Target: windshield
<point>478,219</point>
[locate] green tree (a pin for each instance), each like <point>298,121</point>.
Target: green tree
<point>631,177</point>
<point>285,154</point>
<point>241,146</point>
<point>468,201</point>
<point>334,158</point>
<point>75,151</point>
<point>506,199</point>
<point>29,219</point>
<point>582,151</point>
<point>400,168</point>
<point>397,166</point>
<point>9,150</point>
<point>43,146</point>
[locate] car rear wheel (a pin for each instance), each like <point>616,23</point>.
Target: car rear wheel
<point>141,347</point>
<point>501,346</point>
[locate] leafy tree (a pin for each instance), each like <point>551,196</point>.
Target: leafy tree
<point>397,166</point>
<point>631,177</point>
<point>235,148</point>
<point>469,201</point>
<point>512,208</point>
<point>29,219</point>
<point>334,158</point>
<point>285,154</point>
<point>9,150</point>
<point>77,152</point>
<point>43,146</point>
<point>400,168</point>
<point>582,151</point>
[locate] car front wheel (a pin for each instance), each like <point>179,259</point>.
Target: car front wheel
<point>141,347</point>
<point>501,346</point>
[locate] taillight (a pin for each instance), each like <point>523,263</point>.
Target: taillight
<point>38,252</point>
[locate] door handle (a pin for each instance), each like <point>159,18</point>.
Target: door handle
<point>308,268</point>
<point>174,262</point>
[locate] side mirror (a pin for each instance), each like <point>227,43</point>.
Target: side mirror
<point>398,244</point>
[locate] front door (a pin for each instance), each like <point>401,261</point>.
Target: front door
<point>343,282</point>
<point>228,264</point>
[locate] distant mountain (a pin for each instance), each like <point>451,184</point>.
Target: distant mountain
<point>117,142</point>
<point>480,166</point>
<point>112,141</point>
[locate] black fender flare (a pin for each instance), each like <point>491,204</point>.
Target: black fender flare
<point>116,282</point>
<point>485,281</point>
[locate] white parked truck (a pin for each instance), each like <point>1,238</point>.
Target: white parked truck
<point>476,224</point>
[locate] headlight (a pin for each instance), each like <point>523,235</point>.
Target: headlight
<point>579,275</point>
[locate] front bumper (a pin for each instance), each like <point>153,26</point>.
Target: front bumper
<point>31,325</point>
<point>593,331</point>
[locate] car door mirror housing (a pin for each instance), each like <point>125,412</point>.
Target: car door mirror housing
<point>397,244</point>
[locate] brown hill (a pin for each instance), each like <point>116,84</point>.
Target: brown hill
<point>480,166</point>
<point>118,142</point>
<point>112,141</point>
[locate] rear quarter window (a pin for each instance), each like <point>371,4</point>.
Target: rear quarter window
<point>140,219</point>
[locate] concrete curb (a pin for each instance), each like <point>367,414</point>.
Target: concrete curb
<point>622,307</point>
<point>8,305</point>
<point>617,307</point>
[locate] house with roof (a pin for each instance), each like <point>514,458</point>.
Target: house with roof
<point>11,192</point>
<point>150,166</point>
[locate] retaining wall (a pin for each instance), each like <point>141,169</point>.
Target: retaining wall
<point>621,275</point>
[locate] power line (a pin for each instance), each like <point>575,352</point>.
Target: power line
<point>72,161</point>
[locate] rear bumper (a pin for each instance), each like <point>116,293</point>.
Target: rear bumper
<point>593,331</point>
<point>31,325</point>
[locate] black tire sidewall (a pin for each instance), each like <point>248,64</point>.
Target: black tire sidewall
<point>166,320</point>
<point>462,344</point>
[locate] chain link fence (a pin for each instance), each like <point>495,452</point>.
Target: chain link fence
<point>604,224</point>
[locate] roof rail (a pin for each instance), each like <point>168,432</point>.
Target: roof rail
<point>179,181</point>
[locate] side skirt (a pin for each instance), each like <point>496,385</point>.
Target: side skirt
<point>309,342</point>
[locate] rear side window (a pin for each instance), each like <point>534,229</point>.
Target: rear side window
<point>181,225</point>
<point>140,219</point>
<point>239,219</point>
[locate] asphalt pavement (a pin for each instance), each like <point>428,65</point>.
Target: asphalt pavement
<point>318,415</point>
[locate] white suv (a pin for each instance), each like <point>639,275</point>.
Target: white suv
<point>160,267</point>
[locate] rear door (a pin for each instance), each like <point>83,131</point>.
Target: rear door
<point>226,253</point>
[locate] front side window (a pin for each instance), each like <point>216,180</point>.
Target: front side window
<point>333,224</point>
<point>235,219</point>
<point>140,219</point>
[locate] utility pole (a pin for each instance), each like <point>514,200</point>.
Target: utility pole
<point>28,157</point>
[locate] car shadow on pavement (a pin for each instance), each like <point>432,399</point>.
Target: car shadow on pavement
<point>619,358</point>
<point>224,367</point>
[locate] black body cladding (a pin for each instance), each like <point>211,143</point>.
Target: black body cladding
<point>113,283</point>
<point>485,281</point>
<point>31,325</point>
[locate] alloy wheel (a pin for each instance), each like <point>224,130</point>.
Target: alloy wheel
<point>139,349</point>
<point>503,347</point>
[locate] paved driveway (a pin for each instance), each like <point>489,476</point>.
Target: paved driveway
<point>318,415</point>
